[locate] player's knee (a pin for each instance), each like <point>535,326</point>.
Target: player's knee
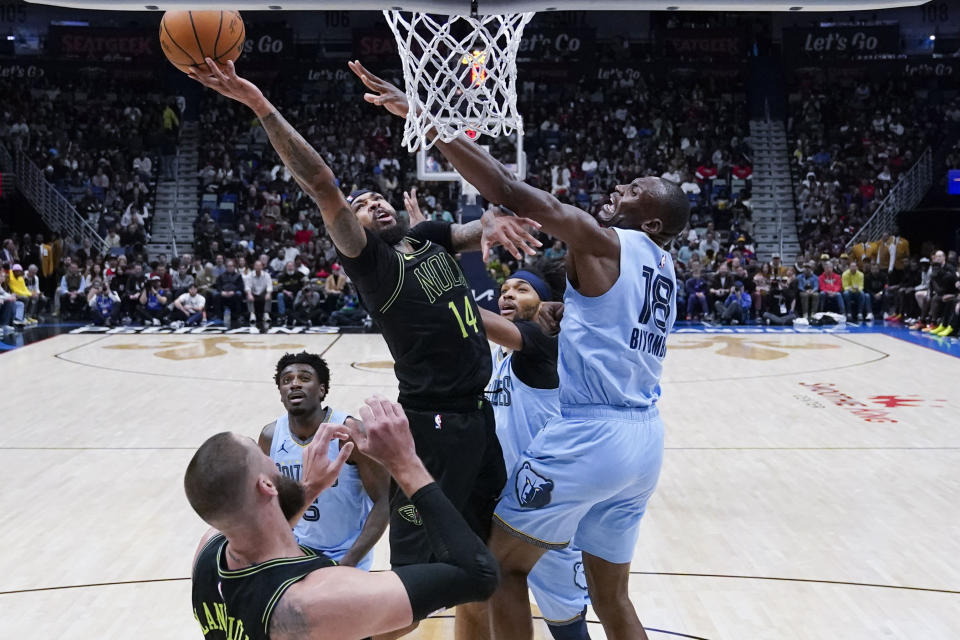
<point>613,605</point>
<point>576,630</point>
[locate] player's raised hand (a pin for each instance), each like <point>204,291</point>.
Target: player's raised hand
<point>413,207</point>
<point>384,434</point>
<point>384,94</point>
<point>319,471</point>
<point>224,80</point>
<point>510,232</point>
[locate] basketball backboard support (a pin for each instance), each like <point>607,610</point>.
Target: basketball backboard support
<point>463,7</point>
<point>433,167</point>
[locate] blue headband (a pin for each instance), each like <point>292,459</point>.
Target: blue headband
<point>356,194</point>
<point>534,281</point>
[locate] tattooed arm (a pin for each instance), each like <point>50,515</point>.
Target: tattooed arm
<point>305,164</point>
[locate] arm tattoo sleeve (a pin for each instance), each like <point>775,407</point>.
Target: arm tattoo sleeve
<point>288,621</point>
<point>466,237</point>
<point>307,166</point>
<point>301,159</point>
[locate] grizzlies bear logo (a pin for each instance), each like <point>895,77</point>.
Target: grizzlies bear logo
<point>533,490</point>
<point>579,577</point>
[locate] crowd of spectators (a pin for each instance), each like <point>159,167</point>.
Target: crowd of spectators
<point>263,256</point>
<point>851,142</point>
<point>112,290</point>
<point>102,143</point>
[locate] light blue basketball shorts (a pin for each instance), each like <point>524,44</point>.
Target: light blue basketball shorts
<point>559,585</point>
<point>557,581</point>
<point>586,479</point>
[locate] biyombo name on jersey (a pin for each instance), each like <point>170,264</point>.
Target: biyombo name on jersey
<point>649,342</point>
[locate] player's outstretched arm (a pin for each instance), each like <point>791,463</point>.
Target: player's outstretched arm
<point>495,227</point>
<point>305,164</point>
<point>501,331</point>
<point>498,185</point>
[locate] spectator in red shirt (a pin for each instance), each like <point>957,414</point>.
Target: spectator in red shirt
<point>867,190</point>
<point>159,271</point>
<point>831,287</point>
<point>706,172</point>
<point>742,171</point>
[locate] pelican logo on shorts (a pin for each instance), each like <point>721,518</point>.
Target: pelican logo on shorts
<point>438,421</point>
<point>579,576</point>
<point>409,513</point>
<point>533,490</point>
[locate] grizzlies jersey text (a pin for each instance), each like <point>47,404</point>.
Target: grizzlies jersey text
<point>520,410</point>
<point>334,521</point>
<point>612,346</point>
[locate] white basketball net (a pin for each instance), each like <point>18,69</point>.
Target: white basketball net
<point>460,74</point>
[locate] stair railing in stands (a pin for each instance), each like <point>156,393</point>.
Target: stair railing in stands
<point>905,195</point>
<point>57,212</point>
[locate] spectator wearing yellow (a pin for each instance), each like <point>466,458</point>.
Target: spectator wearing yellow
<point>18,287</point>
<point>852,280</point>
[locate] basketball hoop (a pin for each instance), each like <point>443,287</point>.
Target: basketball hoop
<point>460,74</point>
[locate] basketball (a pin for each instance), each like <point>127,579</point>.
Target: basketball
<point>187,37</point>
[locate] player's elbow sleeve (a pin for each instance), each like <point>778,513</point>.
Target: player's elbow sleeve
<point>435,586</point>
<point>487,575</point>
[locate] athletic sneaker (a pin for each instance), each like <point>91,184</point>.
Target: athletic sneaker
<point>869,317</point>
<point>155,322</point>
<point>947,332</point>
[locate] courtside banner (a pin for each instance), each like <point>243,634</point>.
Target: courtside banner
<point>721,42</point>
<point>102,43</point>
<point>841,41</point>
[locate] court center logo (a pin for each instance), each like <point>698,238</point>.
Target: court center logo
<point>533,490</point>
<point>748,348</point>
<point>211,347</point>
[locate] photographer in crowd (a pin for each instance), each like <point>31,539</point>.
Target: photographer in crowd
<point>152,304</point>
<point>104,304</point>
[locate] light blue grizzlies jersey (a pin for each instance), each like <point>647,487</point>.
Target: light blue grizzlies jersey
<point>520,410</point>
<point>334,521</point>
<point>612,346</point>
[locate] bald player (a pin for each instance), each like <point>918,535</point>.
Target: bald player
<point>587,476</point>
<point>251,581</point>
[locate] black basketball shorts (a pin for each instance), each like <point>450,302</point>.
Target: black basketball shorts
<point>462,453</point>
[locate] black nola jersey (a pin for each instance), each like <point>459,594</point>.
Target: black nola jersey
<point>426,311</point>
<point>237,605</point>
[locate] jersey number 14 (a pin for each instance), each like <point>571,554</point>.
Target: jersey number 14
<point>469,317</point>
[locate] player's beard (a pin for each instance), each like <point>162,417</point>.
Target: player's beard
<point>290,495</point>
<point>395,234</point>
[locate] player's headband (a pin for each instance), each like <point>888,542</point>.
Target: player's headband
<point>356,194</point>
<point>534,281</point>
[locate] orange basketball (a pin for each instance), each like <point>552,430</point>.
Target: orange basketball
<point>187,37</point>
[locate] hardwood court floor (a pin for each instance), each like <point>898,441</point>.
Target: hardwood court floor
<point>809,490</point>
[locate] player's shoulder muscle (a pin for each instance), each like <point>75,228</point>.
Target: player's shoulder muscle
<point>266,437</point>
